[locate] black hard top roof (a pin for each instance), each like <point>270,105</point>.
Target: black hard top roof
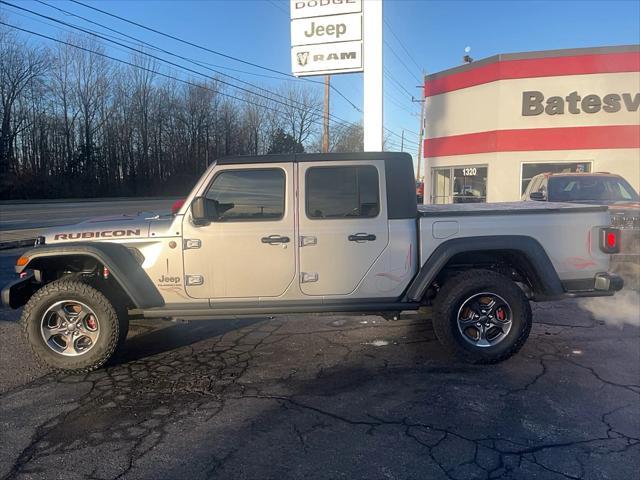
<point>313,157</point>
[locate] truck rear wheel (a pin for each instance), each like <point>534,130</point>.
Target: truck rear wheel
<point>71,327</point>
<point>482,316</point>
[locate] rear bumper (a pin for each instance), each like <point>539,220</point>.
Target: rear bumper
<point>602,285</point>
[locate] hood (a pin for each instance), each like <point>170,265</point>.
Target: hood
<point>109,228</point>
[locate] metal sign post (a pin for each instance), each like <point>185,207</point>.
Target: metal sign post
<point>372,31</point>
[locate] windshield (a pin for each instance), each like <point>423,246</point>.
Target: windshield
<point>581,188</point>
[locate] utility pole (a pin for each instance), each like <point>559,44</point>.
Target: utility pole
<point>325,123</point>
<point>402,141</point>
<point>421,136</point>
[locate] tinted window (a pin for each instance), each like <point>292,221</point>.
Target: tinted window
<point>530,170</point>
<point>342,192</point>
<point>590,188</point>
<point>247,195</point>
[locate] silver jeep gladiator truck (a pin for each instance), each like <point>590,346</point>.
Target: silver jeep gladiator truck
<point>284,234</point>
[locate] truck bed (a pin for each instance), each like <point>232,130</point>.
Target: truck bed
<point>505,208</point>
<point>568,239</point>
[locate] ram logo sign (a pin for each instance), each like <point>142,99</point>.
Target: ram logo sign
<point>340,57</point>
<point>303,58</point>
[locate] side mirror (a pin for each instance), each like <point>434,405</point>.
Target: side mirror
<point>201,211</point>
<point>537,196</point>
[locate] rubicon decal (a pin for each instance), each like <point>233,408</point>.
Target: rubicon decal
<point>98,234</point>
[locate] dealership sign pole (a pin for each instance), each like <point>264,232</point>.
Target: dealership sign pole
<point>373,133</point>
<point>327,38</point>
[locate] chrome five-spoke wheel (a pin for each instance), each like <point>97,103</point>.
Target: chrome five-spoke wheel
<point>70,328</point>
<point>484,319</point>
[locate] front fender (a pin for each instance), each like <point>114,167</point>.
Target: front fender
<point>122,264</point>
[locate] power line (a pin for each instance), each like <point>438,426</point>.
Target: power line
<point>279,7</point>
<point>400,137</point>
<point>398,85</point>
<point>90,32</point>
<point>402,45</point>
<point>137,41</point>
<point>150,70</point>
<point>408,130</point>
<point>224,54</point>
<point>215,52</point>
<point>172,63</point>
<point>397,103</point>
<point>394,53</point>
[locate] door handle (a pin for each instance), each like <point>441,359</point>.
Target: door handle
<point>362,237</point>
<point>275,239</point>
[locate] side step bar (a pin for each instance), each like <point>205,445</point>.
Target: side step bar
<point>225,312</point>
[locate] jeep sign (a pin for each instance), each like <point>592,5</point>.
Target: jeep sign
<point>326,37</point>
<point>336,28</point>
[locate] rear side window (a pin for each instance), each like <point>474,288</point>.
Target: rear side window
<point>342,192</point>
<point>254,195</point>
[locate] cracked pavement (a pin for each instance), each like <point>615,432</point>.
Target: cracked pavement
<point>320,396</point>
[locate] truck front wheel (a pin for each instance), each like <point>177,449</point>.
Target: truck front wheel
<point>71,327</point>
<point>482,316</point>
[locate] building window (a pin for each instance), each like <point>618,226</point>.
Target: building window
<point>530,170</point>
<point>342,192</point>
<point>464,184</point>
<point>241,195</point>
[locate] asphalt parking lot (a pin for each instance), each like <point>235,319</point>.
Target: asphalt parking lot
<point>332,397</point>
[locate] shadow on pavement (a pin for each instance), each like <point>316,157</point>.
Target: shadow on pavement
<point>165,338</point>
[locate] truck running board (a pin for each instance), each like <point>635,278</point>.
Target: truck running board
<point>219,312</point>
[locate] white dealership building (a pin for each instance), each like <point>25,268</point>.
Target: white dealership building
<point>491,125</point>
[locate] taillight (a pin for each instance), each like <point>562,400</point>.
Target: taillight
<point>610,240</point>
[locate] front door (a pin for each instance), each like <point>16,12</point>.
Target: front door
<point>343,224</point>
<point>248,248</point>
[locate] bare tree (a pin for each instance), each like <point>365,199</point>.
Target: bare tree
<point>302,111</point>
<point>88,126</point>
<point>19,66</point>
<point>345,137</point>
<point>91,79</point>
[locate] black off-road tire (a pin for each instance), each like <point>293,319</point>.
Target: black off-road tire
<point>463,286</point>
<point>62,290</point>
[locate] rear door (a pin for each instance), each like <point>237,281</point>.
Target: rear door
<point>343,224</point>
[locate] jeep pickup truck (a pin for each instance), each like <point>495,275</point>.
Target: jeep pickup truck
<point>268,235</point>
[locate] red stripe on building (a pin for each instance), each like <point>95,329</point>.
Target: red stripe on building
<point>534,67</point>
<point>532,139</point>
